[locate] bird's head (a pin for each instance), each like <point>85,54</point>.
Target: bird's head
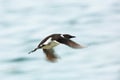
<point>68,36</point>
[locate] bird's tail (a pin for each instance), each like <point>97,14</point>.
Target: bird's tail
<point>33,50</point>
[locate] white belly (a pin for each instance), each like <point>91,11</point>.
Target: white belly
<point>50,45</point>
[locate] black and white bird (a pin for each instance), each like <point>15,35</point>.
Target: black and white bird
<point>53,40</point>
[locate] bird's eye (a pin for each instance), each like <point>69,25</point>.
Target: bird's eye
<point>62,35</point>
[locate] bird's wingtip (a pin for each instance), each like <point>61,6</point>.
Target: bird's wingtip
<point>32,51</point>
<point>29,52</point>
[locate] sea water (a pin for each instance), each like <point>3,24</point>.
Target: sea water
<point>95,23</point>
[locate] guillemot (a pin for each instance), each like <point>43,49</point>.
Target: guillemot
<point>53,40</point>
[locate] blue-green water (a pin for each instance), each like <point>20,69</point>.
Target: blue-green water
<point>24,23</point>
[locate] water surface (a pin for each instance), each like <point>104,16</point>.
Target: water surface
<point>95,23</point>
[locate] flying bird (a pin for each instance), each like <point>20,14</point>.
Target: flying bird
<point>53,40</point>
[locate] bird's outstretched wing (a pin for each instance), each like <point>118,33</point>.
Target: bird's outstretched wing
<point>50,54</point>
<point>74,44</point>
<point>71,43</point>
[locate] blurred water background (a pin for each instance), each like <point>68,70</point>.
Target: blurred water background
<point>24,23</point>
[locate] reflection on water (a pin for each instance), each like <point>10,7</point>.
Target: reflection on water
<point>24,23</point>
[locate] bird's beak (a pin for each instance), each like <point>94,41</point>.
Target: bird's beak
<point>73,36</point>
